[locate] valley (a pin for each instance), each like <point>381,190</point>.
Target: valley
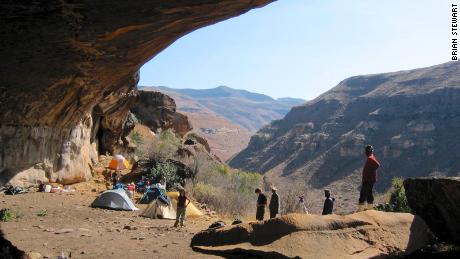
<point>227,117</point>
<point>410,117</point>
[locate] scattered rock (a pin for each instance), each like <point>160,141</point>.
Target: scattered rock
<point>138,238</point>
<point>130,227</point>
<point>64,230</point>
<point>34,255</point>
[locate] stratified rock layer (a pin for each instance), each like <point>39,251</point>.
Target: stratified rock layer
<point>411,117</point>
<point>63,62</point>
<point>362,235</point>
<point>437,201</point>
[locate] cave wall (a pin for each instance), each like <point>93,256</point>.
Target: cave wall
<point>65,61</point>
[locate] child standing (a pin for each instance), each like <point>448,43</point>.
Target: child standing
<point>182,203</point>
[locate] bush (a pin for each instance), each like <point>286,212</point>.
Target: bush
<point>136,138</point>
<point>6,215</point>
<point>165,170</point>
<point>163,147</point>
<point>170,137</point>
<point>226,190</point>
<point>289,201</point>
<point>42,213</point>
<point>398,200</point>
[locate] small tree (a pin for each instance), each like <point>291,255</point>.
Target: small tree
<point>398,200</point>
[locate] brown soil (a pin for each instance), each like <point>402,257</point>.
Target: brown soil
<point>93,233</point>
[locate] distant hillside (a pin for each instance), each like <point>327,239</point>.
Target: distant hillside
<point>250,110</point>
<point>411,117</point>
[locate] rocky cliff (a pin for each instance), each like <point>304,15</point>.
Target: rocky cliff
<point>158,111</point>
<point>64,62</point>
<point>411,117</point>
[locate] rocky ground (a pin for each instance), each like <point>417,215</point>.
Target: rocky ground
<point>72,226</point>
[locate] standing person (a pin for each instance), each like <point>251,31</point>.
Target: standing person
<point>328,203</point>
<point>369,179</point>
<point>181,208</point>
<point>131,190</point>
<point>274,205</point>
<point>162,184</point>
<point>261,204</point>
<point>302,205</point>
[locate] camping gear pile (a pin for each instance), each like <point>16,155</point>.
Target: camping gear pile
<point>12,190</point>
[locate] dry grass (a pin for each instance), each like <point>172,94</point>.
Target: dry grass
<point>226,190</point>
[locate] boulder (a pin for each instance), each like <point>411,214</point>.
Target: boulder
<point>361,235</point>
<point>437,201</point>
<point>193,138</point>
<point>158,111</point>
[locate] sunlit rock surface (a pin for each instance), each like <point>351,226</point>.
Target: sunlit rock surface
<point>369,234</point>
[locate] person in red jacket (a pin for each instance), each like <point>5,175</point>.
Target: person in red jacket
<point>369,179</point>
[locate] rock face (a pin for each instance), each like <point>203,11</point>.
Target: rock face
<point>158,111</point>
<point>61,60</point>
<point>437,201</point>
<point>367,234</point>
<point>411,117</point>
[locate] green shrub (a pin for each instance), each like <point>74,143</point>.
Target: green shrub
<point>170,137</point>
<point>165,170</point>
<point>136,138</point>
<point>398,200</point>
<point>42,213</point>
<point>6,215</point>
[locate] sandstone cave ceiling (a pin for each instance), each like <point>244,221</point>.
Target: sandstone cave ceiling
<point>60,58</point>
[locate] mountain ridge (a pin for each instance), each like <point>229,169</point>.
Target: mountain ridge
<point>247,109</point>
<point>409,116</point>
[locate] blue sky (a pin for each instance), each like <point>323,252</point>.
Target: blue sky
<point>302,48</point>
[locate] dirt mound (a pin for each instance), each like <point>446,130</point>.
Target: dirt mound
<point>361,235</point>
